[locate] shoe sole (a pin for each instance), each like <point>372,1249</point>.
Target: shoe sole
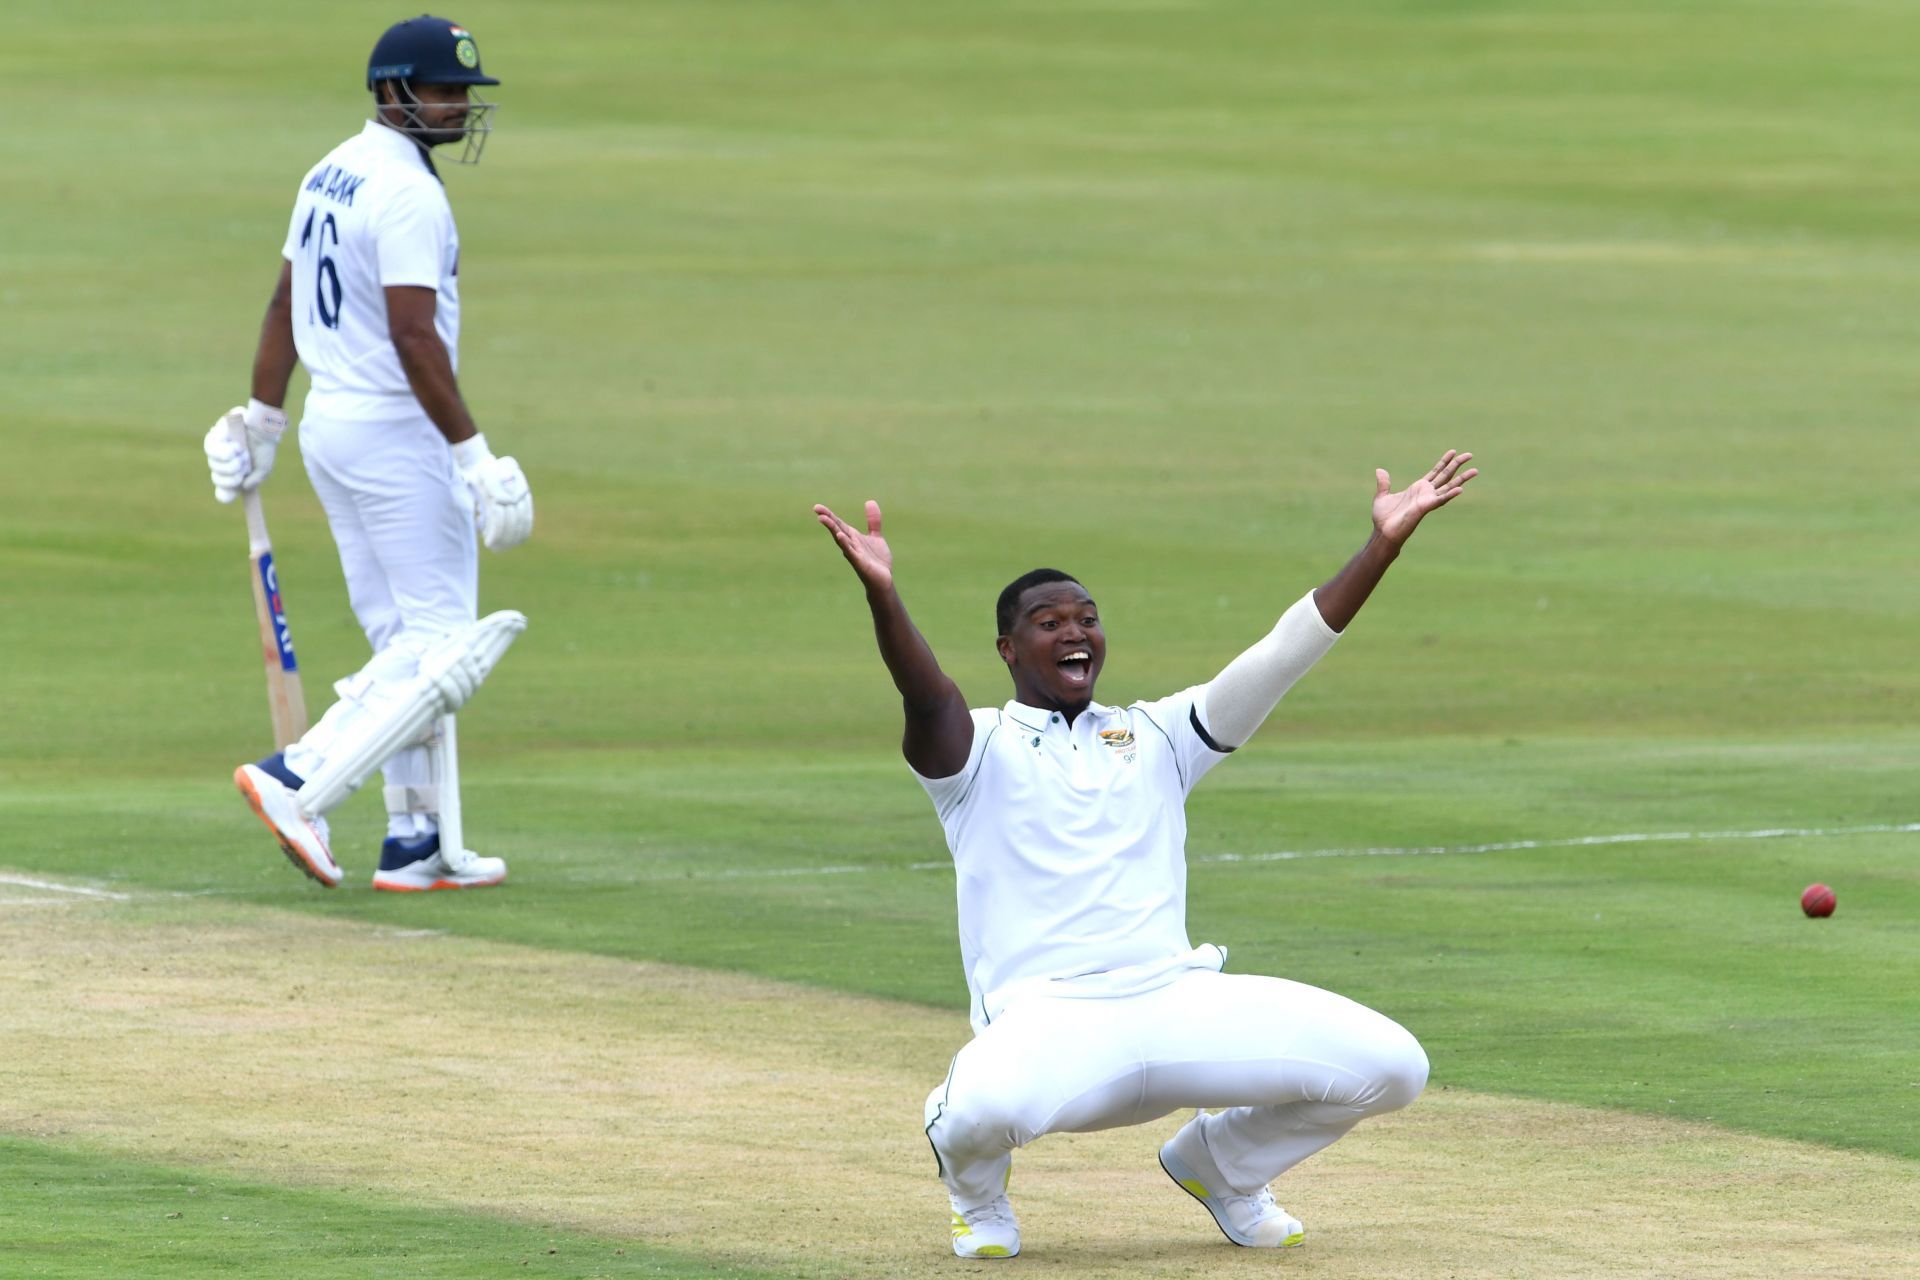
<point>1185,1179</point>
<point>294,853</point>
<point>395,886</point>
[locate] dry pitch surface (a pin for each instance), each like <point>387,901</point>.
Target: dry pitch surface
<point>778,1125</point>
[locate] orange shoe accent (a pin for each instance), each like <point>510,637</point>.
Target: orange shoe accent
<point>437,884</point>
<point>288,847</point>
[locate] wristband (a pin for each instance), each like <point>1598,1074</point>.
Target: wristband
<point>267,421</point>
<point>472,452</point>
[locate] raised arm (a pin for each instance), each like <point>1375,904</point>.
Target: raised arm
<point>939,732</point>
<point>1395,517</point>
<point>1240,697</point>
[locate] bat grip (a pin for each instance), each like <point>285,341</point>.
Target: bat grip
<point>257,539</point>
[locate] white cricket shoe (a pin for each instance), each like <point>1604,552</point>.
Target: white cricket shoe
<point>419,865</point>
<point>1252,1220</point>
<point>302,839</point>
<point>988,1231</point>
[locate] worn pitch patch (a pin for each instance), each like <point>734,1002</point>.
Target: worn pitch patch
<point>766,1123</point>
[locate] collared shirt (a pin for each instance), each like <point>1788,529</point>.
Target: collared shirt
<point>1069,848</point>
<point>369,215</point>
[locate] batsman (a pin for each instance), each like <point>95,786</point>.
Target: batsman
<point>1091,1007</point>
<point>368,298</point>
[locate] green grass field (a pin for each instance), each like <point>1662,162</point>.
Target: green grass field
<point>1144,290</point>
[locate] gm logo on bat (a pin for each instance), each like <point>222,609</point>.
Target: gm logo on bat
<point>282,633</point>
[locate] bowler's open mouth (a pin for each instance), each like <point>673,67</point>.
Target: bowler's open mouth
<point>1078,666</point>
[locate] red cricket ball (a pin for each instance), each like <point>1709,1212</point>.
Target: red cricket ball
<point>1817,900</point>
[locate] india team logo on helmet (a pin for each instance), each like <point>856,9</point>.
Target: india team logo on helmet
<point>464,48</point>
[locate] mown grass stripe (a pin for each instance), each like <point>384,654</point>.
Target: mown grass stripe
<point>69,1213</point>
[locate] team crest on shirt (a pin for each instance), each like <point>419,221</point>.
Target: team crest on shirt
<point>1122,742</point>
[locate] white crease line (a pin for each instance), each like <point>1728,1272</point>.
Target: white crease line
<point>773,873</point>
<point>51,886</point>
<point>1569,842</point>
<point>1293,855</point>
<point>1213,859</point>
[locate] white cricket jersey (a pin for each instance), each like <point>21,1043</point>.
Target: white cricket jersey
<point>369,215</point>
<point>1069,847</point>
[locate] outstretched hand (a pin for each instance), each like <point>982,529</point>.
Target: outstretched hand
<point>867,552</point>
<point>1396,515</point>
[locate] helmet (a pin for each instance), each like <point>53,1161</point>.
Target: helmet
<point>429,50</point>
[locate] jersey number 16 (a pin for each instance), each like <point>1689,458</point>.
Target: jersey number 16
<point>326,280</point>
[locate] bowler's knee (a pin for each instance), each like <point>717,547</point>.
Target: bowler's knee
<point>971,1120</point>
<point>1399,1068</point>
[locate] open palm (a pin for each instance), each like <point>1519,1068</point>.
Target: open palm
<point>867,552</point>
<point>1396,515</point>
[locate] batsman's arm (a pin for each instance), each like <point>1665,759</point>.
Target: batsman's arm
<point>939,732</point>
<point>240,452</point>
<point>502,503</point>
<point>274,358</point>
<point>429,370</point>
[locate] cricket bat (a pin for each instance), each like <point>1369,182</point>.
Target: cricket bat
<point>285,699</point>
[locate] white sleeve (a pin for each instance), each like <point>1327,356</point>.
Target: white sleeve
<point>949,793</point>
<point>411,236</point>
<point>1239,698</point>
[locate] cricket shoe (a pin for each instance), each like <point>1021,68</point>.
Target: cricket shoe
<point>1252,1220</point>
<point>302,839</point>
<point>986,1232</point>
<point>418,865</point>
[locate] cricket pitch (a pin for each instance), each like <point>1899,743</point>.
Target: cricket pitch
<point>775,1125</point>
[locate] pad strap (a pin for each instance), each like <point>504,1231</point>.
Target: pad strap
<point>404,801</point>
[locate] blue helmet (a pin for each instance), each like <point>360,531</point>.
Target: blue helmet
<point>427,50</point>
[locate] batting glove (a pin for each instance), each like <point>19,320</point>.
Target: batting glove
<point>240,460</point>
<point>502,503</point>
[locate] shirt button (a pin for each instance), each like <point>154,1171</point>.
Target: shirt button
<point>1056,719</point>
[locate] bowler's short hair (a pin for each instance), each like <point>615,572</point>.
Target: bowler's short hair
<point>1010,598</point>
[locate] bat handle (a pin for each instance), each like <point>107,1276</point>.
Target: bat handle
<point>257,539</point>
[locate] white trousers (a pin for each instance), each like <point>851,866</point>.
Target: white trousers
<point>1294,1066</point>
<point>403,521</point>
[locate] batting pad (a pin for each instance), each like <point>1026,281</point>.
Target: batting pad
<point>398,713</point>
